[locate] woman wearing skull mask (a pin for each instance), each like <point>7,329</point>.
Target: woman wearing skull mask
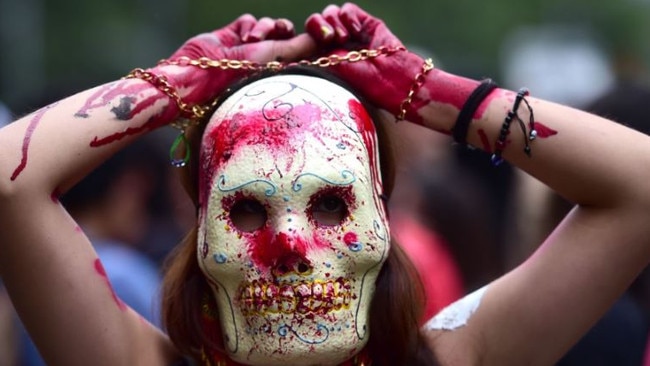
<point>290,247</point>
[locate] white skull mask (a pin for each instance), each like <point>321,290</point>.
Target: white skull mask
<point>292,230</point>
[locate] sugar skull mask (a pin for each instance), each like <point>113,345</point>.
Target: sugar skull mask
<point>292,231</point>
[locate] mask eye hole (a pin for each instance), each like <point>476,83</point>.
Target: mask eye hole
<point>329,210</point>
<point>248,215</point>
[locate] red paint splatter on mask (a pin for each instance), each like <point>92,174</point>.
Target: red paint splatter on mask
<point>544,131</point>
<point>268,250</point>
<point>33,123</point>
<point>281,130</point>
<point>350,238</point>
<point>99,268</point>
<point>366,128</point>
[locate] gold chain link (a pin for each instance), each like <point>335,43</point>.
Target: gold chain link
<point>161,83</point>
<point>325,61</point>
<point>417,84</point>
<point>193,114</point>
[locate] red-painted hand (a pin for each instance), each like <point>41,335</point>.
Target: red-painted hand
<point>384,80</point>
<point>246,38</point>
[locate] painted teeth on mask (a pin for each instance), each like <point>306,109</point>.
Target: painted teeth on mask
<point>303,297</point>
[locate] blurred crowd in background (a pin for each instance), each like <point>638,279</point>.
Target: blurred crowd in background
<point>463,221</point>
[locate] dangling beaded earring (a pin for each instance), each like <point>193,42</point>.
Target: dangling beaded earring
<point>179,162</point>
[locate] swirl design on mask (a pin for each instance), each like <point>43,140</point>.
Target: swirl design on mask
<point>347,176</point>
<point>272,110</point>
<point>232,344</point>
<point>268,192</point>
<point>380,231</point>
<point>273,105</point>
<point>321,331</point>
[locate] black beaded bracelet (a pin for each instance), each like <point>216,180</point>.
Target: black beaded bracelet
<point>475,99</point>
<point>513,114</point>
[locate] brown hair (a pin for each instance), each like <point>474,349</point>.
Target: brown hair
<point>397,306</point>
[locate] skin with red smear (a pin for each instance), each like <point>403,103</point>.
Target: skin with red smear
<point>128,108</point>
<point>543,132</point>
<point>99,268</point>
<point>36,119</point>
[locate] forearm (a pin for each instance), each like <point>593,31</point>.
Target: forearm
<point>587,159</point>
<point>55,146</point>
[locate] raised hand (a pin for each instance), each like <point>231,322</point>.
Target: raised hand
<point>384,80</point>
<point>247,38</point>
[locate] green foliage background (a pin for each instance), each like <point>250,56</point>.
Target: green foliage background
<point>51,48</point>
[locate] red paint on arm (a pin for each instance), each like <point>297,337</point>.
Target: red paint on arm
<point>485,141</point>
<point>54,196</point>
<point>544,131</point>
<point>27,140</point>
<point>444,88</point>
<point>99,268</point>
<point>111,92</point>
<point>451,89</point>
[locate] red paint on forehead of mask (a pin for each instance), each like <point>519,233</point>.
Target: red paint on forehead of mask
<point>279,128</point>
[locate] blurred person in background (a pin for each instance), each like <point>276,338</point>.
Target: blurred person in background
<point>415,152</point>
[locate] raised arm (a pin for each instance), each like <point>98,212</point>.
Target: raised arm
<point>532,315</point>
<point>52,273</point>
